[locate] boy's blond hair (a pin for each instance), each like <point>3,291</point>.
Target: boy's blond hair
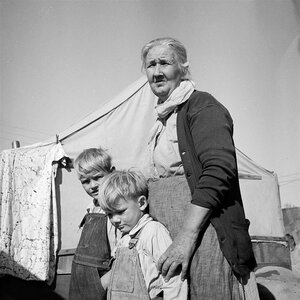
<point>93,160</point>
<point>123,184</point>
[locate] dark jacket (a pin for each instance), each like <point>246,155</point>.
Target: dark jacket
<point>205,138</point>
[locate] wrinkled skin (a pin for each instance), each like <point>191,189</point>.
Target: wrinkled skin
<point>179,253</point>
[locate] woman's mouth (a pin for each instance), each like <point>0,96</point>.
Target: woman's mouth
<point>159,84</point>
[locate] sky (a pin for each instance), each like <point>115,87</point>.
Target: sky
<point>62,60</point>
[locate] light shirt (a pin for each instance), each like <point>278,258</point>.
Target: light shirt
<point>153,241</point>
<point>94,207</point>
<point>166,157</point>
<point>163,152</point>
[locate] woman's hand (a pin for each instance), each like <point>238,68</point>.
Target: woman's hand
<point>180,251</point>
<point>177,257</point>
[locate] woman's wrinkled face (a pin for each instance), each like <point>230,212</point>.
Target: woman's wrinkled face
<point>163,71</point>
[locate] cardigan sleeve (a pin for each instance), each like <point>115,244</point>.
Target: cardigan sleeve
<point>211,130</point>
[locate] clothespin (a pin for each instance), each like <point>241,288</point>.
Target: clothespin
<point>57,139</point>
<point>15,144</point>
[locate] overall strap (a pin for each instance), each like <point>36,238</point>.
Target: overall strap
<point>83,220</point>
<point>134,239</point>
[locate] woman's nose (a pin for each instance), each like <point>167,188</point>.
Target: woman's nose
<point>157,70</point>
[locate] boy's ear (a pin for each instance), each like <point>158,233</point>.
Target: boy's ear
<point>143,202</point>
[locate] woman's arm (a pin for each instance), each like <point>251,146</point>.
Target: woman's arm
<point>183,246</point>
<point>211,131</point>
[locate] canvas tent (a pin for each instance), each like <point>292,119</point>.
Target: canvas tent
<point>121,126</point>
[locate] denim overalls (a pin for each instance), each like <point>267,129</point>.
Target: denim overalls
<point>127,280</point>
<point>91,259</point>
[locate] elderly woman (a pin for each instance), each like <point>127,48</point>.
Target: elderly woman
<point>195,191</point>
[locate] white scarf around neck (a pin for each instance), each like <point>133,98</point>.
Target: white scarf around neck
<point>177,97</point>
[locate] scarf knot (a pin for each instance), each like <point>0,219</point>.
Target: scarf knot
<point>178,96</point>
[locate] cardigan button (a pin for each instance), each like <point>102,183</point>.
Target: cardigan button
<point>222,239</point>
<point>183,152</point>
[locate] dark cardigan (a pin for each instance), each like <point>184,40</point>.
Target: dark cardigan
<point>205,138</point>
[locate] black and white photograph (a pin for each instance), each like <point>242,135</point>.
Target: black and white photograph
<point>150,149</point>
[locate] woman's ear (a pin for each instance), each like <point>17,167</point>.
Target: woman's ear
<point>143,203</point>
<point>185,71</point>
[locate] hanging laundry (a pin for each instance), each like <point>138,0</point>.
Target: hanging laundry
<point>28,211</point>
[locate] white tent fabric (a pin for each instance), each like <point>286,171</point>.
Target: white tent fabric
<point>121,127</point>
<point>261,198</point>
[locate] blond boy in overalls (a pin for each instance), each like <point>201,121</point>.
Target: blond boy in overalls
<point>123,196</point>
<point>98,237</point>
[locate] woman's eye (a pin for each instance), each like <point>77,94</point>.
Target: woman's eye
<point>165,62</point>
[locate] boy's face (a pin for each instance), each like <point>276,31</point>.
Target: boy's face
<point>128,213</point>
<point>91,182</point>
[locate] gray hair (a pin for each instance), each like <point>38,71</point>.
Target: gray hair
<point>178,50</point>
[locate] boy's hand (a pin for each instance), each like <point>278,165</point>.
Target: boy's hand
<point>105,280</point>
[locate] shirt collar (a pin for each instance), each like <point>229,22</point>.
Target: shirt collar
<point>140,224</point>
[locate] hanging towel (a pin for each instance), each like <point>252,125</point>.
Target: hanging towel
<point>28,211</point>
